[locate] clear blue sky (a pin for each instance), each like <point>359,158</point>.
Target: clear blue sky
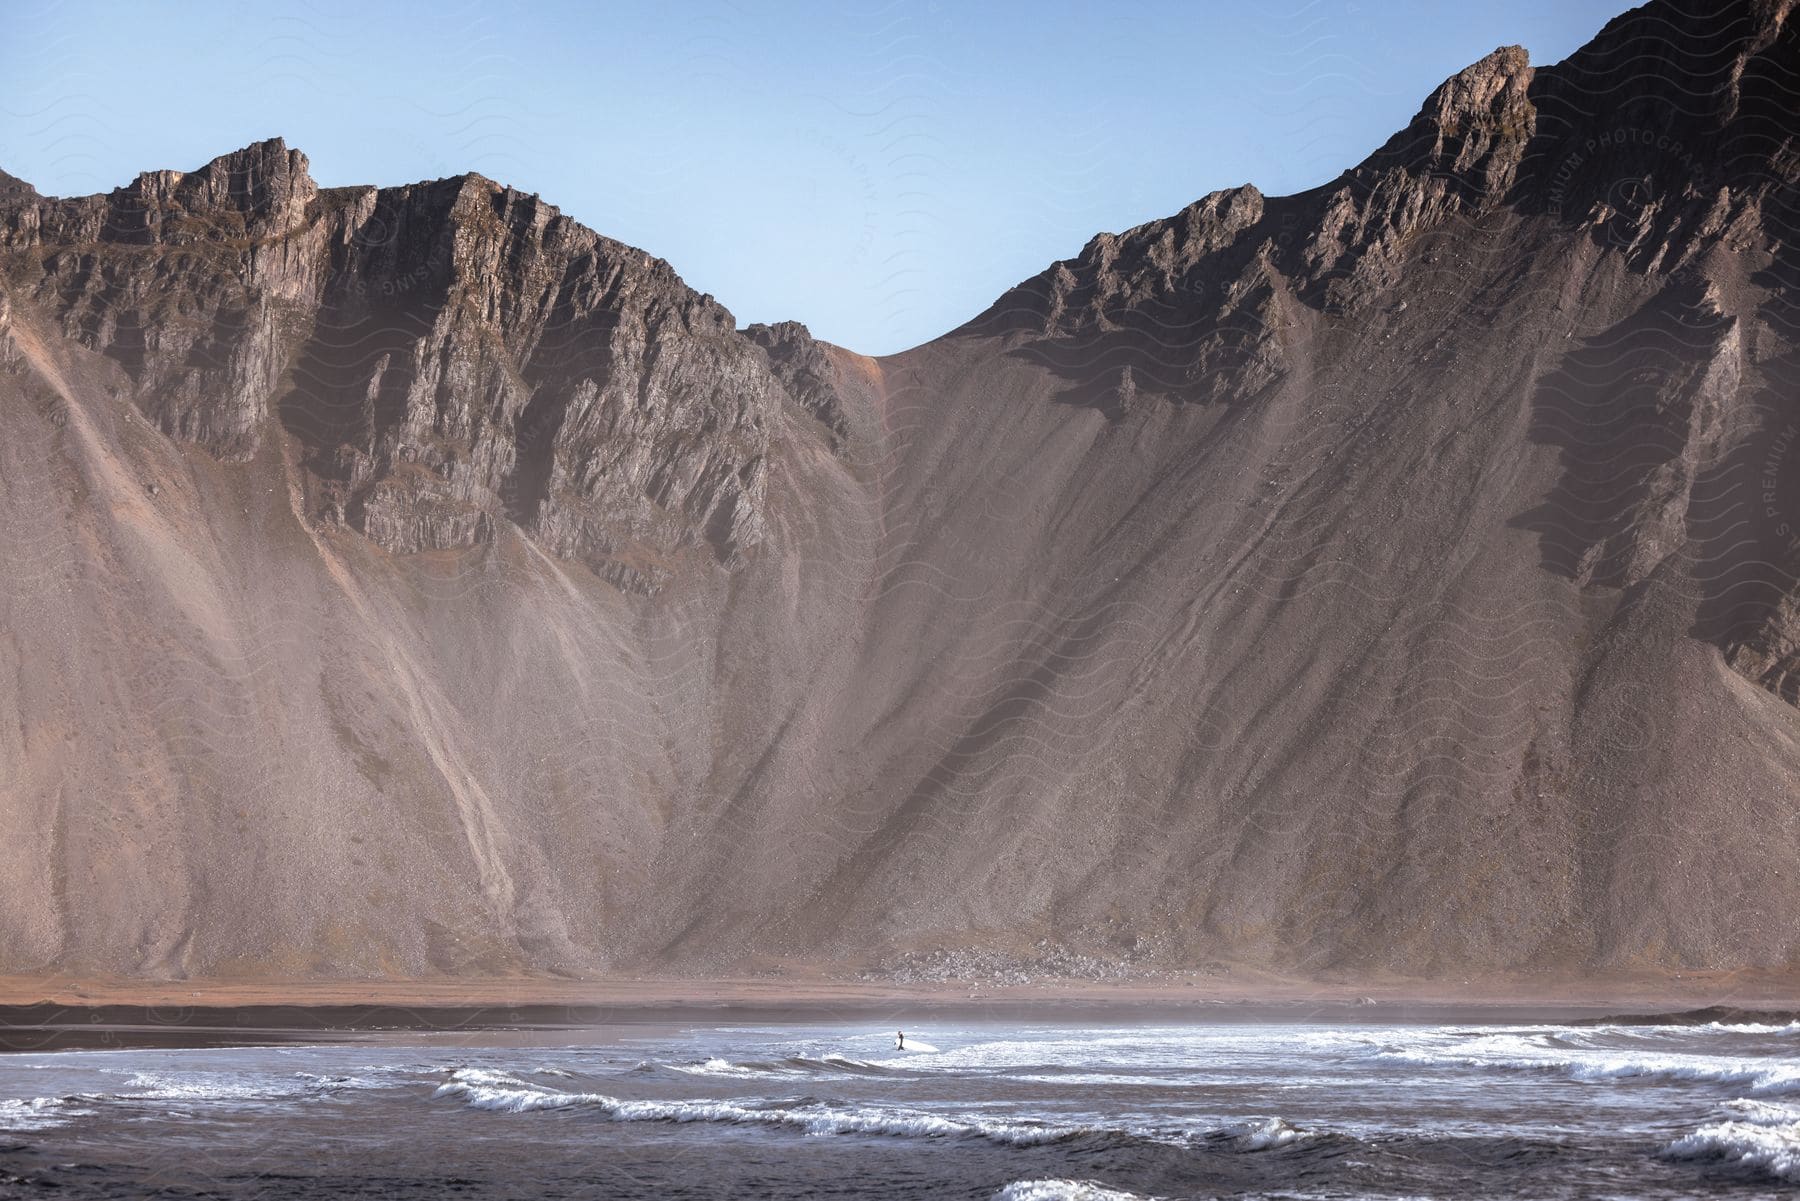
<point>880,170</point>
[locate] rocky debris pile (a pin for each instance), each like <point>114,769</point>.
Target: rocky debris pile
<point>1044,962</point>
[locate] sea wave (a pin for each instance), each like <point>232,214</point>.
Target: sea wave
<point>233,1086</point>
<point>495,1091</point>
<point>1064,1190</point>
<point>1759,1136</point>
<point>829,1067</point>
<point>22,1114</point>
<point>172,1087</point>
<point>1106,1078</point>
<point>1743,1028</point>
<point>1759,1075</point>
<point>1725,1036</point>
<point>1262,1135</point>
<point>724,1067</point>
<point>503,1093</point>
<point>1119,1050</point>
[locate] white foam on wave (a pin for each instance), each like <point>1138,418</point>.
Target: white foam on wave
<point>171,1087</point>
<point>499,1092</point>
<point>1765,1113</point>
<point>38,1113</point>
<point>1534,1052</point>
<point>1759,1135</point>
<point>1137,1049</point>
<point>1741,1028</point>
<point>486,1077</point>
<point>227,1087</point>
<point>207,1086</point>
<point>1110,1078</point>
<point>1064,1190</point>
<point>724,1067</point>
<point>831,1067</point>
<point>233,1086</point>
<point>495,1091</point>
<point>1270,1132</point>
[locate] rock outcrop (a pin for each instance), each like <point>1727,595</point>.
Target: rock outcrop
<point>805,368</point>
<point>1398,577</point>
<point>448,354</point>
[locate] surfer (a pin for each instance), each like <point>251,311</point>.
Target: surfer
<point>899,1040</point>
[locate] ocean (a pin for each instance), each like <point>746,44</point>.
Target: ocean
<point>1020,1112</point>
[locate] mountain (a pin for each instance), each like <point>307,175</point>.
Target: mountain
<point>1394,578</point>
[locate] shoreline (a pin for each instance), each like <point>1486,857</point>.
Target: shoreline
<point>43,1014</point>
<point>1663,990</point>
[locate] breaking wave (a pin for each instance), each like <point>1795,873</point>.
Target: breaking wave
<point>485,1089</point>
<point>1260,1136</point>
<point>39,1113</point>
<point>208,1086</point>
<point>835,1067</point>
<point>1550,1053</point>
<point>44,1113</point>
<point>234,1086</point>
<point>1759,1136</point>
<point>1064,1190</point>
<point>1751,1027</point>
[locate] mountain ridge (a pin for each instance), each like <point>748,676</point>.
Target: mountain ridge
<point>1390,578</point>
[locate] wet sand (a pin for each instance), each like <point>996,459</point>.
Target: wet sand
<point>38,1014</point>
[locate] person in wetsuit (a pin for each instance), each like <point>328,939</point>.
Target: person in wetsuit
<point>899,1040</point>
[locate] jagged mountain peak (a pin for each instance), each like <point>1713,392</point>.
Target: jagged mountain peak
<point>449,357</point>
<point>14,190</point>
<point>265,185</point>
<point>1476,123</point>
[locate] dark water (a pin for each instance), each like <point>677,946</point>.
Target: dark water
<point>1018,1112</point>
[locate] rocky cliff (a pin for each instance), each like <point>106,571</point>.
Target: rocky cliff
<point>442,356</point>
<point>1395,577</point>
